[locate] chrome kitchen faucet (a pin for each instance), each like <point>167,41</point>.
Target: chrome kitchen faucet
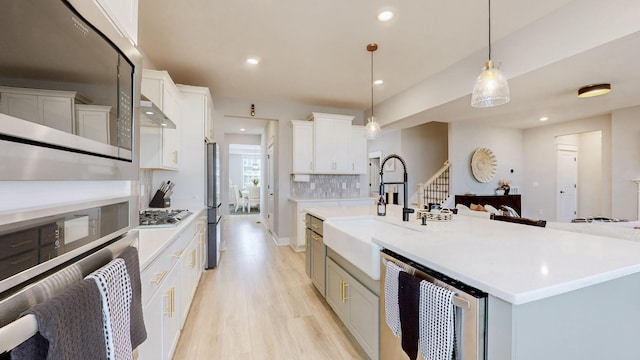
<point>405,208</point>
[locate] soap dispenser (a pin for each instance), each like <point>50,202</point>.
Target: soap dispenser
<point>382,206</point>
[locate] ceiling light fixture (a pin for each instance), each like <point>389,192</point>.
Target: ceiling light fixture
<point>544,118</point>
<point>253,61</point>
<point>378,82</point>
<point>243,129</point>
<point>491,87</point>
<point>594,90</point>
<point>385,15</point>
<point>373,128</point>
<point>253,110</point>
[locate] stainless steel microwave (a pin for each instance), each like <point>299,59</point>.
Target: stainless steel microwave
<point>68,93</point>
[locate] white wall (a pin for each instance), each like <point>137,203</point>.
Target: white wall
<point>590,174</point>
<point>505,143</point>
<point>625,162</point>
<point>540,173</point>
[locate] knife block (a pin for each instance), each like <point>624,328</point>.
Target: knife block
<point>159,201</point>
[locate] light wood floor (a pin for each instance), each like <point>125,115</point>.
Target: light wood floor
<point>259,304</point>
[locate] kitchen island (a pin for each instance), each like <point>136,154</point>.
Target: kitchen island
<point>552,294</point>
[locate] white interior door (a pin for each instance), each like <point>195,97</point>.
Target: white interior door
<point>270,190</point>
<point>567,184</point>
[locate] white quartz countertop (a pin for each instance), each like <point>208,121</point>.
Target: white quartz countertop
<point>517,263</point>
<point>153,240</point>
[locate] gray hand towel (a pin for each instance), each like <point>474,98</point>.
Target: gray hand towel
<point>70,326</point>
<point>138,330</point>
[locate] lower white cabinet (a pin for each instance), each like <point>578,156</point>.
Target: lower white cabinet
<point>168,285</point>
<point>355,305</point>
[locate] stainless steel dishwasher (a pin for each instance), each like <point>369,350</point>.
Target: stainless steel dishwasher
<point>470,312</point>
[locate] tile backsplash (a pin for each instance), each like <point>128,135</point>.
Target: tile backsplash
<point>327,187</point>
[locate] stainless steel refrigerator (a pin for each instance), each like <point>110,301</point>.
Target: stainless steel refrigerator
<point>214,203</point>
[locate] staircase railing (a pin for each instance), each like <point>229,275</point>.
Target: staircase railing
<point>436,189</point>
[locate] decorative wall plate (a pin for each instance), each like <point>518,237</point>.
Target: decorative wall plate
<point>483,165</point>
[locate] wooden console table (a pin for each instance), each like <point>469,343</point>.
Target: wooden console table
<point>513,201</point>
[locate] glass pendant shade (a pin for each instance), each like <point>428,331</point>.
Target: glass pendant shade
<point>372,130</point>
<point>491,89</point>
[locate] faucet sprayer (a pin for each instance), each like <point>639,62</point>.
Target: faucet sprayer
<point>405,208</point>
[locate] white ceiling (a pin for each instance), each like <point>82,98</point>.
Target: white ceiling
<point>314,53</point>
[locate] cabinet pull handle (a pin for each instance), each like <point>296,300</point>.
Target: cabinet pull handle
<point>173,300</point>
<point>161,276</point>
<point>167,295</point>
<point>344,291</point>
<point>177,254</point>
<point>341,289</point>
<point>193,258</point>
<point>315,226</point>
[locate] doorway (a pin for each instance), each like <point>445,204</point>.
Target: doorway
<point>567,182</point>
<point>245,178</point>
<point>269,188</point>
<point>580,176</point>
<point>374,173</point>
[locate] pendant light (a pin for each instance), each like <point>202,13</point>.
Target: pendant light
<point>373,128</point>
<point>491,87</point>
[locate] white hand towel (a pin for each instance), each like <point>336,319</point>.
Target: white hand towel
<point>391,308</point>
<point>115,289</point>
<point>436,326</point>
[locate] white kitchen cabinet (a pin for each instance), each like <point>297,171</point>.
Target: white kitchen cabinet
<point>52,108</point>
<point>359,156</point>
<point>160,146</point>
<point>93,122</point>
<point>123,14</point>
<point>332,143</point>
<point>162,319</point>
<point>355,305</point>
<point>168,284</point>
<point>190,273</point>
<point>197,109</point>
<point>302,147</point>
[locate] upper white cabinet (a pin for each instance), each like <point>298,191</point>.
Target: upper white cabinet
<point>332,143</point>
<point>328,144</point>
<point>302,143</point>
<point>123,14</point>
<point>358,150</point>
<point>160,147</point>
<point>197,110</point>
<point>52,108</point>
<point>93,122</point>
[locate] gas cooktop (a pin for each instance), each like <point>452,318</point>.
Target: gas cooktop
<point>162,218</point>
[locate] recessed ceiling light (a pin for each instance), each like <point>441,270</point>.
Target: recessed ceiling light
<point>594,90</point>
<point>385,15</point>
<point>243,129</point>
<point>378,82</point>
<point>544,118</point>
<point>149,112</point>
<point>253,61</point>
